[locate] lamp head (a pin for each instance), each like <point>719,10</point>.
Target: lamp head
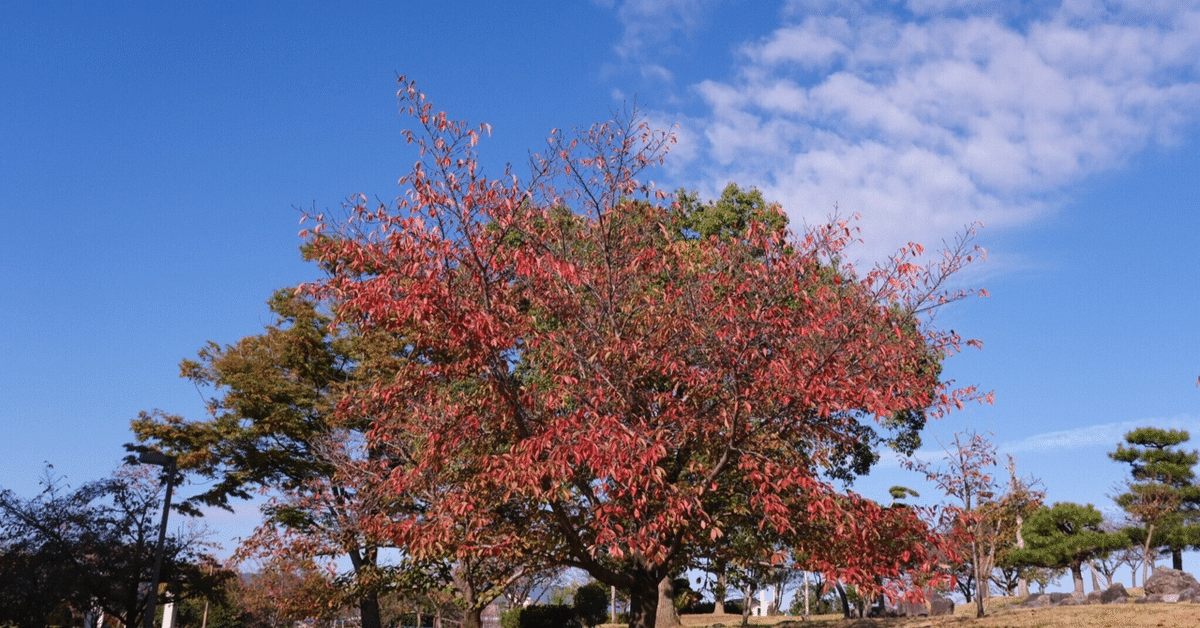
<point>156,457</point>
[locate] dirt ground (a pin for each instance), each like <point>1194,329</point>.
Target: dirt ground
<point>999,616</point>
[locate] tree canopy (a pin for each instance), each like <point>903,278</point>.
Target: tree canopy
<point>1066,535</point>
<point>586,386</point>
<point>272,404</point>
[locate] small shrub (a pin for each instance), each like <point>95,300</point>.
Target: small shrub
<point>541,616</point>
<point>511,618</point>
<point>591,604</point>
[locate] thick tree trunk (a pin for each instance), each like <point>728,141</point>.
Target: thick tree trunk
<point>666,616</point>
<point>1177,560</point>
<point>643,603</point>
<point>365,561</point>
<point>472,618</point>
<point>368,611</point>
<point>472,602</point>
<point>1077,575</point>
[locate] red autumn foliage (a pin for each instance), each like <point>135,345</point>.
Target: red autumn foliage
<point>284,591</point>
<point>588,382</point>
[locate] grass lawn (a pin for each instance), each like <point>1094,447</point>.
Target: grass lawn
<point>1000,615</point>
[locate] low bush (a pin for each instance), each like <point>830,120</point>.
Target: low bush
<point>706,608</point>
<point>541,616</point>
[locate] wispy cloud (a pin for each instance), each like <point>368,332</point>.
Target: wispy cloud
<point>1105,436</point>
<point>652,23</point>
<point>928,115</point>
<point>650,29</point>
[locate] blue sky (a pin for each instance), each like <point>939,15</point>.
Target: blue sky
<point>155,159</point>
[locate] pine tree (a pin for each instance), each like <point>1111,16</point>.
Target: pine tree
<point>1066,536</point>
<point>1163,494</point>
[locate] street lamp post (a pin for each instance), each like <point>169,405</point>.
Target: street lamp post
<point>167,463</point>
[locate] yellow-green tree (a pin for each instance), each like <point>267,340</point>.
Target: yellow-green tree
<point>271,417</point>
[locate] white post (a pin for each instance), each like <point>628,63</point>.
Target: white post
<point>168,615</point>
<point>94,617</point>
<point>806,595</point>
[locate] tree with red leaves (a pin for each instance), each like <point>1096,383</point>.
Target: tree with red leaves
<point>966,478</point>
<point>593,382</point>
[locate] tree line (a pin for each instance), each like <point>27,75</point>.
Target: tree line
<point>1008,537</point>
<point>67,553</point>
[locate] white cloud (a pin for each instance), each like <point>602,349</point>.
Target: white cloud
<point>925,123</point>
<point>814,43</point>
<point>923,7</point>
<point>652,23</point>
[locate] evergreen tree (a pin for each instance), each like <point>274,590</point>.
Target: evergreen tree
<point>1065,536</point>
<point>1163,494</point>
